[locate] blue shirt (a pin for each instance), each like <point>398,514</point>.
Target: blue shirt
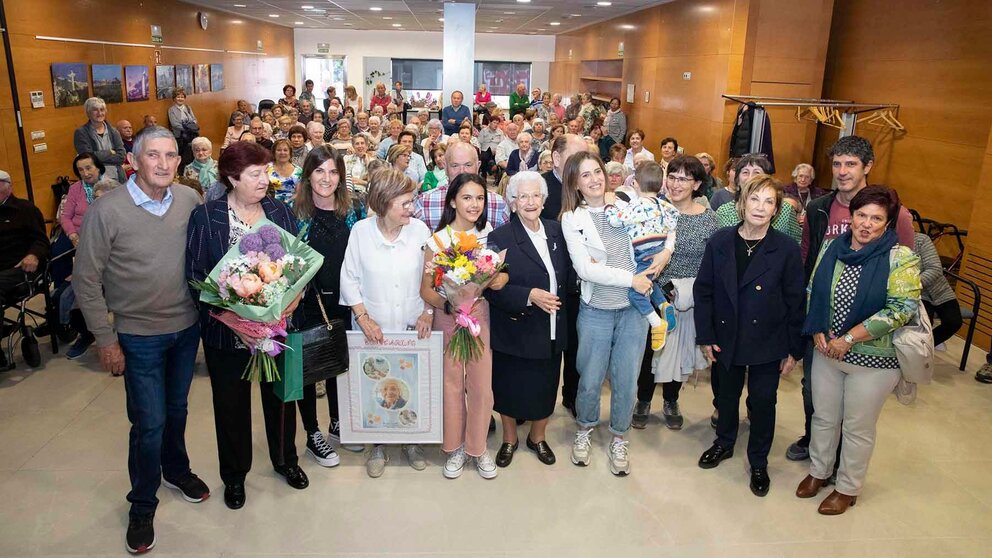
<point>384,146</point>
<point>156,208</point>
<point>459,114</point>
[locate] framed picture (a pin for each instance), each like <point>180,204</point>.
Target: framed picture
<point>108,82</point>
<point>393,391</point>
<point>202,78</point>
<point>184,77</point>
<point>70,84</point>
<point>136,82</point>
<point>216,77</point>
<point>165,81</point>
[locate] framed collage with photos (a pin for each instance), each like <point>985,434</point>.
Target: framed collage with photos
<point>393,392</point>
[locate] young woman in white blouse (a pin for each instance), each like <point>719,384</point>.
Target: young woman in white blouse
<point>380,278</point>
<point>468,387</point>
<point>611,332</point>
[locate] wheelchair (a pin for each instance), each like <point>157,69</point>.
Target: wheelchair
<point>25,328</point>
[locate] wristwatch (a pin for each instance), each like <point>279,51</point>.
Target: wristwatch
<point>430,311</point>
<point>849,339</point>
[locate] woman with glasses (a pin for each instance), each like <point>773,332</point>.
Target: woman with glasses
<point>380,279</point>
<point>680,357</point>
<point>748,167</point>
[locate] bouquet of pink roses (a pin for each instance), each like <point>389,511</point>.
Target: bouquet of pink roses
<point>465,269</point>
<point>253,284</point>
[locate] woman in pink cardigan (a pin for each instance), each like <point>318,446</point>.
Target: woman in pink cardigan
<point>88,170</point>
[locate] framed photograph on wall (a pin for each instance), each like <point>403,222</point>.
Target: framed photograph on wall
<point>184,77</point>
<point>393,392</point>
<point>107,82</point>
<point>165,81</point>
<point>70,84</point>
<point>202,78</point>
<point>136,82</point>
<point>216,77</point>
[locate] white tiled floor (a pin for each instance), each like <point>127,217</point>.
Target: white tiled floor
<point>63,477</point>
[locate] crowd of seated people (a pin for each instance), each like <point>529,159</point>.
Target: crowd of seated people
<point>619,260</point>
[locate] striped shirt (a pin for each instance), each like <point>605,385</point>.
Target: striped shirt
<point>617,245</point>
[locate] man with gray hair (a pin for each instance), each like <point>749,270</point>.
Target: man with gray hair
<point>306,112</point>
<point>257,129</point>
<point>460,158</point>
<point>131,262</point>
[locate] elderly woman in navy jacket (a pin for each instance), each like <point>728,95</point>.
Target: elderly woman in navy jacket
<point>749,315</point>
<point>528,317</point>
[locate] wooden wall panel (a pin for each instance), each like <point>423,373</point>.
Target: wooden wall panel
<point>931,57</point>
<point>250,76</point>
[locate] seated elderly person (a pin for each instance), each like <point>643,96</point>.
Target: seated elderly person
<point>524,157</point>
<point>203,168</point>
<point>616,174</point>
<point>435,136</point>
<point>23,242</point>
<point>315,135</point>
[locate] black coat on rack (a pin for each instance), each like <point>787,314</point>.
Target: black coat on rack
<point>740,138</point>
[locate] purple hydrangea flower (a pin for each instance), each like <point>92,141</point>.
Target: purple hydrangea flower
<point>270,235</point>
<point>275,251</point>
<point>251,243</point>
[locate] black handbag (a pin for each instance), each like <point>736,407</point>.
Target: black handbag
<point>325,349</point>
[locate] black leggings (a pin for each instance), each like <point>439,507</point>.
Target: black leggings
<point>308,405</point>
<point>646,383</point>
<point>950,319</point>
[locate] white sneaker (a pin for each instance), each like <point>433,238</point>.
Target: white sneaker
<point>321,452</point>
<point>455,464</point>
<point>486,465</point>
<point>617,452</point>
<point>580,448</point>
<point>376,463</point>
<point>415,456</point>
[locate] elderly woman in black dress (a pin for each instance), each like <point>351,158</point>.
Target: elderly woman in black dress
<point>528,317</point>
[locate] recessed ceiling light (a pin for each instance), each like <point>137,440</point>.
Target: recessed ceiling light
<point>441,19</point>
<point>576,15</point>
<point>626,27</point>
<point>376,9</point>
<point>494,27</point>
<point>604,4</point>
<point>240,6</point>
<point>397,25</point>
<point>524,1</point>
<point>386,17</point>
<point>298,23</point>
<point>236,21</point>
<point>555,23</point>
<point>306,7</point>
<point>338,19</point>
<point>273,15</point>
<point>542,29</point>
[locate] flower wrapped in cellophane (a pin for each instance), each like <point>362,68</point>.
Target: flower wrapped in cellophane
<point>464,269</point>
<point>253,284</point>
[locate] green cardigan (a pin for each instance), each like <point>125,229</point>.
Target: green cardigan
<point>518,103</point>
<point>785,222</point>
<point>903,298</point>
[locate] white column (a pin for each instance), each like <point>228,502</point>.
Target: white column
<point>459,50</point>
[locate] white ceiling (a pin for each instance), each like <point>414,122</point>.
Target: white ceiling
<point>494,16</point>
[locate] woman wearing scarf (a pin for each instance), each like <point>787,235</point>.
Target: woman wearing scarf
<point>203,168</point>
<point>864,287</point>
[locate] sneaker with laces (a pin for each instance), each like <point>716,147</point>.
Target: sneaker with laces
<point>486,465</point>
<point>79,347</point>
<point>190,486</point>
<point>619,462</point>
<point>140,536</point>
<point>642,411</point>
<point>455,464</point>
<point>322,453</point>
<point>376,463</point>
<point>334,436</point>
<point>797,451</point>
<point>673,416</point>
<point>415,456</point>
<point>580,448</point>
<point>984,374</point>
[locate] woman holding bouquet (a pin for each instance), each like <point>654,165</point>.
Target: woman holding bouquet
<point>380,278</point>
<point>468,390</point>
<point>611,332</point>
<point>326,211</point>
<point>214,228</point>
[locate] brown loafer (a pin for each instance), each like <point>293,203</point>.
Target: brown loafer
<point>836,503</point>
<point>809,487</point>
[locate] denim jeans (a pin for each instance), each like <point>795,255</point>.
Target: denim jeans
<point>609,341</point>
<point>158,371</point>
<point>646,304</point>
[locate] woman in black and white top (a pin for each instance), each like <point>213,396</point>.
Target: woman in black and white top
<point>611,332</point>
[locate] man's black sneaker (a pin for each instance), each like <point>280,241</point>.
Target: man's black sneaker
<point>192,488</point>
<point>140,534</point>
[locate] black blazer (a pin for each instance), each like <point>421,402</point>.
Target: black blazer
<point>516,328</point>
<point>207,240</point>
<point>552,205</point>
<point>761,319</point>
